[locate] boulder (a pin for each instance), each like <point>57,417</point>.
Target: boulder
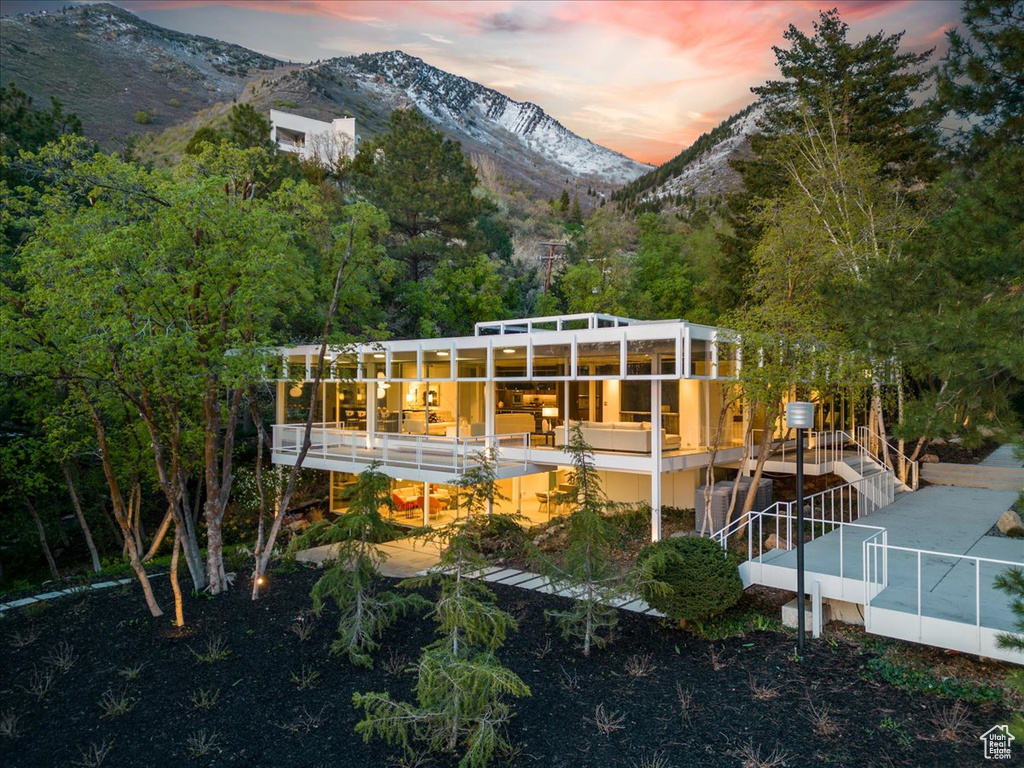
<point>1009,521</point>
<point>938,442</point>
<point>777,542</point>
<point>929,458</point>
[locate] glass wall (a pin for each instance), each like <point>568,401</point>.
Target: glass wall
<point>598,359</point>
<point>510,363</point>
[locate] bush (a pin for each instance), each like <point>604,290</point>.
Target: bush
<point>496,535</point>
<point>142,117</point>
<point>689,578</point>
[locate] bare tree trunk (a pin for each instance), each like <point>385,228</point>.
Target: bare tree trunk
<point>763,452</point>
<point>263,557</point>
<point>258,419</point>
<point>179,609</point>
<point>42,534</point>
<point>135,507</point>
<point>96,566</point>
<point>158,538</point>
<point>709,476</point>
<point>118,504</point>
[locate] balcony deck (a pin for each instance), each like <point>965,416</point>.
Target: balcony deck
<point>438,459</point>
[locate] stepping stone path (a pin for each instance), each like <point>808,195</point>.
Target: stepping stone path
<point>525,580</point>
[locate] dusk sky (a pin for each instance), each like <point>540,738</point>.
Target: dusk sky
<point>644,78</point>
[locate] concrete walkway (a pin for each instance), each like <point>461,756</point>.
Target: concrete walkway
<point>1002,457</point>
<point>416,556</point>
<point>405,557</point>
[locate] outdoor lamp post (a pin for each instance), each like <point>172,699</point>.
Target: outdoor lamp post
<point>800,416</point>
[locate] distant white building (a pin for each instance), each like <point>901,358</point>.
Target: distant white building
<point>312,139</point>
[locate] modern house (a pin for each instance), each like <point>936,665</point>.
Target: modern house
<point>312,139</point>
<point>646,394</point>
<point>651,400</point>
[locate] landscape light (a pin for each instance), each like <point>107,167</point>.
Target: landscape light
<point>800,416</point>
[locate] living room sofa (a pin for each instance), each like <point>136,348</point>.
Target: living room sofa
<point>629,436</point>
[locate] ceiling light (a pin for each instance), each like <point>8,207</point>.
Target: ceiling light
<point>442,353</point>
<point>379,355</point>
<point>508,351</point>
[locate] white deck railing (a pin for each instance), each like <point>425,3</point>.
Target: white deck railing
<point>871,442</point>
<point>872,561</point>
<point>824,511</point>
<point>426,452</point>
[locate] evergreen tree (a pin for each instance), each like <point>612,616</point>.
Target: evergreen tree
<point>981,78</point>
<point>864,92</point>
<point>563,201</point>
<point>586,570</point>
<point>462,690</point>
<point>353,580</point>
<point>576,214</point>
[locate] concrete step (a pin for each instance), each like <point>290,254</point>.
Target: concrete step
<point>974,476</point>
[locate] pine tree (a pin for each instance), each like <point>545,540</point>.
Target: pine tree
<point>353,580</point>
<point>576,214</point>
<point>981,78</point>
<point>586,570</point>
<point>462,690</point>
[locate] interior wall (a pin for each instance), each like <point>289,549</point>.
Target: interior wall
<point>612,400</point>
<point>689,412</point>
<point>677,488</point>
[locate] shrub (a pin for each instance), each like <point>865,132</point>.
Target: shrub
<point>142,117</point>
<point>496,535</point>
<point>689,578</point>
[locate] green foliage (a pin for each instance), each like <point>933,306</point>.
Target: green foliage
<point>866,89</point>
<point>248,129</point>
<point>204,135</point>
<point>500,535</point>
<point>981,77</point>
<point>353,580</point>
<point>897,671</point>
<point>25,128</point>
<point>586,568</point>
<point>462,690</point>
<point>142,117</point>
<point>696,577</point>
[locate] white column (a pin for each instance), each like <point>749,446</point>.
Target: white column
<point>655,460</point>
<point>489,407</point>
<point>371,413</point>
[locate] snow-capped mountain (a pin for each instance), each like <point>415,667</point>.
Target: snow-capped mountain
<point>485,116</point>
<point>700,171</point>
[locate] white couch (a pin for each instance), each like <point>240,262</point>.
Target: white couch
<point>415,423</point>
<point>629,436</point>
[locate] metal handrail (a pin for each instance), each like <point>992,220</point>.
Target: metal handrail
<point>432,452</point>
<point>865,437</point>
<point>877,485</point>
<point>978,560</point>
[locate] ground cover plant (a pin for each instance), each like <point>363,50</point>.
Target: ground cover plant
<point>694,702</point>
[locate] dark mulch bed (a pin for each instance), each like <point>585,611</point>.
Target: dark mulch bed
<point>262,718</point>
<point>957,453</point>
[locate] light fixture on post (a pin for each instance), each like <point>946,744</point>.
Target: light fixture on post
<point>800,416</point>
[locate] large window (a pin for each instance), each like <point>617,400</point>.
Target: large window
<point>510,363</point>
<point>551,361</point>
<point>598,359</point>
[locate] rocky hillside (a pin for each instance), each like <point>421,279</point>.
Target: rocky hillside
<point>701,171</point>
<point>125,76</point>
<point>108,66</point>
